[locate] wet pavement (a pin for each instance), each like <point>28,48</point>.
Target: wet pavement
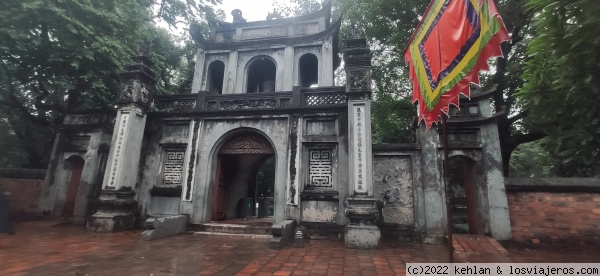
<point>38,248</point>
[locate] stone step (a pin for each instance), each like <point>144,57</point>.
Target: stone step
<point>234,229</point>
<point>252,236</point>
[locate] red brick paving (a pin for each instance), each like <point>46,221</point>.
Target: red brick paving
<point>39,249</point>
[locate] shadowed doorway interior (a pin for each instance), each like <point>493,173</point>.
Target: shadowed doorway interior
<point>244,178</point>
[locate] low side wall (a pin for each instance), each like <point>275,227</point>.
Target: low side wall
<point>22,188</point>
<point>563,211</point>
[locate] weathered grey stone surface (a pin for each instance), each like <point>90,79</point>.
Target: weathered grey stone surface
<point>283,234</point>
<point>393,186</point>
<point>164,227</point>
<point>362,237</point>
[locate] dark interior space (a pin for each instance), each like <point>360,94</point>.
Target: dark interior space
<point>309,70</point>
<point>261,76</point>
<point>216,72</point>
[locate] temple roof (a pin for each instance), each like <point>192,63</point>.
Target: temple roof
<point>300,29</point>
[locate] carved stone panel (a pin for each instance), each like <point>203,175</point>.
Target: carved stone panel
<point>320,164</point>
<point>393,185</point>
<point>173,167</point>
<point>359,79</point>
<point>306,28</point>
<point>264,32</point>
<point>248,104</point>
<point>247,143</point>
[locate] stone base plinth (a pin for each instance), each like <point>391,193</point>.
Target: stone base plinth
<point>116,211</point>
<point>283,234</point>
<point>110,223</point>
<point>362,237</point>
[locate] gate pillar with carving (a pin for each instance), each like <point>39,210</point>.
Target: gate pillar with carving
<point>361,231</point>
<point>117,204</point>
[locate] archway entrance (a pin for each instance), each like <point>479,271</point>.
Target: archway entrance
<point>244,178</point>
<point>465,217</point>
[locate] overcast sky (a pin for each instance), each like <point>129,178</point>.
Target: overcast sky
<point>252,10</point>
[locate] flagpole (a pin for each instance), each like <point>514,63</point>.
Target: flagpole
<point>446,169</point>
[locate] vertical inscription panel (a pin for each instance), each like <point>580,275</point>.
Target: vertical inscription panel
<point>360,147</point>
<point>119,147</point>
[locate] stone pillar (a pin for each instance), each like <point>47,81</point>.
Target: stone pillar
<point>199,71</point>
<point>499,216</point>
<point>116,205</point>
<point>361,211</point>
<point>433,185</point>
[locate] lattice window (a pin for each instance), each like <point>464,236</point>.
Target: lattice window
<point>173,167</point>
<point>320,169</point>
<point>187,104</point>
<point>325,99</point>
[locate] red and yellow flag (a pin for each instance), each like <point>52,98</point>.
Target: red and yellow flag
<point>448,49</point>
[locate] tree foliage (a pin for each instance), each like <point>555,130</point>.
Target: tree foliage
<point>563,81</point>
<point>58,56</point>
<point>389,25</point>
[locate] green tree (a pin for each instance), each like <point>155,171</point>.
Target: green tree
<point>563,82</point>
<point>389,25</point>
<point>58,56</point>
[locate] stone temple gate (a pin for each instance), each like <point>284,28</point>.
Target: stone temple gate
<point>265,133</point>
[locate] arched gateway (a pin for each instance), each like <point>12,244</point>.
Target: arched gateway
<point>244,178</point>
<point>301,154</point>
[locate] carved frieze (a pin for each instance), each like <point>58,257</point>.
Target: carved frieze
<point>247,143</point>
<point>275,31</point>
<point>359,79</point>
<point>135,91</point>
<point>248,104</point>
<point>306,28</point>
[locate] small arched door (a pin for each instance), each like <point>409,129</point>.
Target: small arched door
<point>76,163</point>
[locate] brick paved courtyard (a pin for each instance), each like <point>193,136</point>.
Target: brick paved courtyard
<point>39,248</point>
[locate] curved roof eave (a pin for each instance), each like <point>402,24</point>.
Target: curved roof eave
<point>332,30</point>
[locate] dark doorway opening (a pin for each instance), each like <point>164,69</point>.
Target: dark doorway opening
<point>216,73</point>
<point>76,163</point>
<point>309,70</point>
<point>245,179</point>
<point>261,76</point>
<point>465,218</point>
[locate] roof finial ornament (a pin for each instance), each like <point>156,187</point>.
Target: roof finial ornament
<point>274,15</point>
<point>237,16</point>
<point>357,30</point>
<point>144,49</point>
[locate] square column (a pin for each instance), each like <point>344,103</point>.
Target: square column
<point>361,231</point>
<point>116,205</point>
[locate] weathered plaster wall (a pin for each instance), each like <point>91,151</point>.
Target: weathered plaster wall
<point>94,152</point>
<point>161,134</point>
<point>320,211</point>
<point>329,130</point>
